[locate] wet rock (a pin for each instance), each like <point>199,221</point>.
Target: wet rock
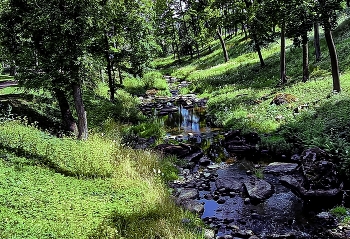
<point>194,157</point>
<point>319,170</point>
<point>279,168</point>
<point>221,201</point>
<point>187,194</point>
<point>294,182</point>
<point>242,233</point>
<point>281,236</point>
<point>253,237</point>
<point>193,206</point>
<point>204,161</point>
<point>258,189</point>
<point>326,219</point>
<point>172,149</point>
<point>228,184</point>
<point>317,180</point>
<point>295,158</point>
<point>255,216</point>
<point>214,166</point>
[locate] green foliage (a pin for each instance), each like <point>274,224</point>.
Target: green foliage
<point>339,211</point>
<point>127,107</point>
<point>151,80</point>
<point>153,128</point>
<point>154,80</point>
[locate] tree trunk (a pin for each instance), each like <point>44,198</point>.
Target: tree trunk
<point>305,58</point>
<point>283,55</point>
<point>244,30</point>
<point>334,59</point>
<point>120,76</point>
<point>68,121</point>
<point>13,68</point>
<point>223,45</point>
<point>317,41</point>
<point>197,50</point>
<point>111,82</point>
<point>258,49</point>
<point>79,107</point>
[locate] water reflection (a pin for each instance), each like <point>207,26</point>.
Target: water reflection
<point>186,120</point>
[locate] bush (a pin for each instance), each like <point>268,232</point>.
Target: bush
<point>134,86</point>
<point>127,107</point>
<point>154,128</point>
<point>154,80</point>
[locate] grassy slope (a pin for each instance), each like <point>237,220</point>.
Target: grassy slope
<point>63,188</point>
<point>241,91</point>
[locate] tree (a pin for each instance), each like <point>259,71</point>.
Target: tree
<point>327,10</point>
<point>301,19</point>
<point>52,45</point>
<point>126,34</point>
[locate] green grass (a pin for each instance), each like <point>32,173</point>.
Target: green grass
<point>63,188</point>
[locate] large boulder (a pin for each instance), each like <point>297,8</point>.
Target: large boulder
<point>187,194</point>
<point>229,184</point>
<point>181,150</point>
<point>317,179</point>
<point>193,206</point>
<point>280,168</point>
<point>238,143</point>
<point>258,189</point>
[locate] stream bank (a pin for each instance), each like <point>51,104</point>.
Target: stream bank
<point>240,190</point>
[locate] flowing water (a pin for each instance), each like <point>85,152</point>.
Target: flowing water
<point>282,213</point>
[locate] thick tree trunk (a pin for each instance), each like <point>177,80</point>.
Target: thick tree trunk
<point>79,107</point>
<point>317,41</point>
<point>68,121</point>
<point>334,60</point>
<point>283,55</point>
<point>305,58</point>
<point>111,81</point>
<point>223,45</point>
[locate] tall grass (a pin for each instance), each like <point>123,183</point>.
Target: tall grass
<point>63,188</point>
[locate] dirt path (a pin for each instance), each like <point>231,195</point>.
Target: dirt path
<point>5,84</point>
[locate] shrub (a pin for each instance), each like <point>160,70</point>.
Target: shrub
<point>154,80</point>
<point>134,86</point>
<point>127,107</point>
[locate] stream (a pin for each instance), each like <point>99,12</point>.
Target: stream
<point>221,185</point>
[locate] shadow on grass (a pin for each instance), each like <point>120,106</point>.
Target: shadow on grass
<point>6,78</point>
<point>17,105</point>
<point>148,224</point>
<point>35,160</point>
